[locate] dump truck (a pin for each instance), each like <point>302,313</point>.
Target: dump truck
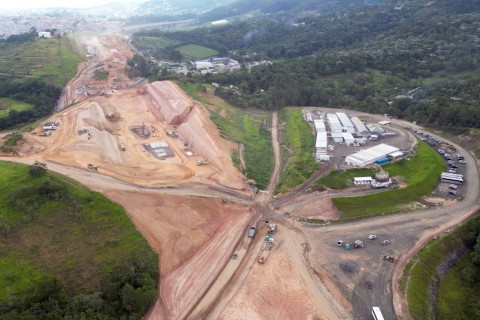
<point>265,250</point>
<point>251,232</point>
<point>122,146</point>
<point>272,228</point>
<point>201,162</point>
<point>92,167</point>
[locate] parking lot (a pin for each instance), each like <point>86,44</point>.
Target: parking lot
<point>455,164</point>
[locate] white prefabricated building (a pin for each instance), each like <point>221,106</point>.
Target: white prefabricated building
<point>321,143</point>
<point>334,123</point>
<point>337,137</point>
<point>346,123</point>
<point>319,126</point>
<point>360,127</point>
<point>348,138</point>
<point>368,156</point>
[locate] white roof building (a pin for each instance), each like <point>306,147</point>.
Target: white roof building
<point>334,123</point>
<point>368,156</point>
<point>319,126</point>
<point>321,143</point>
<point>374,128</point>
<point>203,65</point>
<point>337,137</point>
<point>348,137</point>
<point>360,127</point>
<point>44,34</point>
<point>346,123</point>
<point>358,181</point>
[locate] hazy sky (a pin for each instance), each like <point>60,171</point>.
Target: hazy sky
<point>32,4</point>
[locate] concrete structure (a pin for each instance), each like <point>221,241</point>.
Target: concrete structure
<point>368,156</point>
<point>360,181</point>
<point>334,123</point>
<point>374,128</point>
<point>360,127</point>
<point>319,126</point>
<point>322,143</point>
<point>348,138</point>
<point>45,34</point>
<point>346,123</point>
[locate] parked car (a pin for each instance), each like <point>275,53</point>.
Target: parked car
<point>453,186</point>
<point>385,242</point>
<point>372,237</point>
<point>339,243</point>
<point>394,186</point>
<point>462,161</point>
<point>454,166</point>
<point>452,171</point>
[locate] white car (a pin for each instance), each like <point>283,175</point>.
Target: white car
<point>372,237</point>
<point>339,243</point>
<point>385,242</point>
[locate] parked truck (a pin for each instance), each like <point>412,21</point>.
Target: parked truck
<point>265,250</point>
<point>252,231</point>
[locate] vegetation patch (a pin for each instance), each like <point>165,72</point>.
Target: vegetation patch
<point>68,252</point>
<point>299,145</point>
<point>196,52</point>
<point>459,286</point>
<point>53,60</point>
<point>241,126</point>
<point>421,173</point>
<point>342,179</point>
<point>145,43</point>
<point>7,105</point>
<point>100,75</point>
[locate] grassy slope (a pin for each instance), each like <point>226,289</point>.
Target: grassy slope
<point>421,173</point>
<point>241,126</point>
<point>454,296</point>
<point>343,179</point>
<point>197,52</point>
<point>300,140</point>
<point>53,60</point>
<point>48,238</point>
<point>7,104</point>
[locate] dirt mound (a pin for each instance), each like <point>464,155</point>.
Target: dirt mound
<point>165,97</point>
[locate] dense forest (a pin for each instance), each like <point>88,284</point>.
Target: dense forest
<point>366,58</point>
<point>41,95</point>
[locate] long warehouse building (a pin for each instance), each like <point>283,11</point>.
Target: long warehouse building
<point>334,123</point>
<point>319,126</point>
<point>346,123</point>
<point>321,144</point>
<point>360,127</point>
<point>368,156</point>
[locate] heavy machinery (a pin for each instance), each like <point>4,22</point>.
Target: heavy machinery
<point>92,167</point>
<point>202,162</point>
<point>265,250</point>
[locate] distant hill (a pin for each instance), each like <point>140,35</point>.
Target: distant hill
<point>291,7</point>
<point>174,7</point>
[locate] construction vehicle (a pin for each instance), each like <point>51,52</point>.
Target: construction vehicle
<point>92,167</point>
<point>123,147</point>
<point>358,244</point>
<point>272,228</point>
<point>45,133</point>
<point>252,231</point>
<point>389,258</point>
<point>202,162</point>
<point>265,250</point>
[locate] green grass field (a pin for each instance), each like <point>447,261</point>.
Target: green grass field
<point>7,104</point>
<point>421,173</point>
<point>52,227</point>
<point>298,158</point>
<point>196,52</point>
<point>241,126</point>
<point>144,43</point>
<point>343,179</point>
<point>53,60</point>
